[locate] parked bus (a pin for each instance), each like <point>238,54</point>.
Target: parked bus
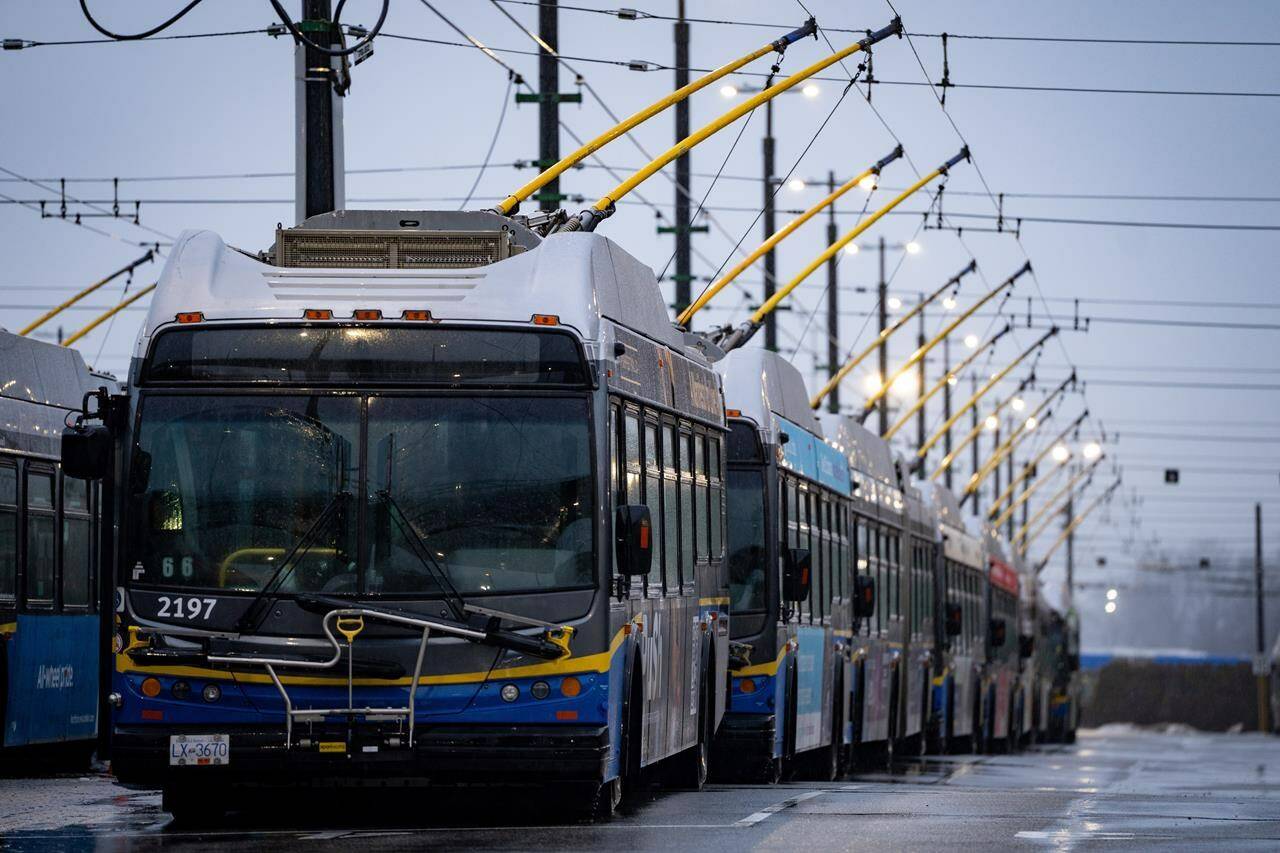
<point>1003,693</point>
<point>421,496</point>
<point>920,652</point>
<point>956,710</point>
<point>792,589</point>
<point>48,532</point>
<point>879,667</point>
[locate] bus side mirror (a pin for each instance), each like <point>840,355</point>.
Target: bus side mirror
<point>955,620</point>
<point>86,452</point>
<point>1026,645</point>
<point>864,590</point>
<point>795,574</point>
<point>997,633</point>
<point>633,540</point>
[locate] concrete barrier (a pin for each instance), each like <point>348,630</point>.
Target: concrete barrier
<point>1213,696</point>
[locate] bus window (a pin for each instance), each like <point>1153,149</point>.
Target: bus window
<point>75,543</point>
<point>632,444</point>
<point>8,529</point>
<point>747,544</point>
<point>652,499</point>
<point>700,496</point>
<point>821,567</point>
<point>40,537</point>
<point>717,500</point>
<point>613,455</point>
<point>882,593</point>
<point>670,507</point>
<point>686,508</point>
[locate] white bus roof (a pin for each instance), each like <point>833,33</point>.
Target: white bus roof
<point>582,278</point>
<point>764,387</point>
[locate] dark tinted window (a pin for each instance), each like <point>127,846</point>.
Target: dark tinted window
<point>75,562</point>
<point>744,446</point>
<point>348,354</point>
<point>8,529</point>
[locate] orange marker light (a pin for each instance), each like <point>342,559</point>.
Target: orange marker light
<point>546,320</point>
<point>367,314</point>
<point>570,686</point>
<point>190,317</point>
<point>415,314</point>
<point>566,715</point>
<point>318,314</point>
<point>151,687</point>
<point>746,685</point>
<point>733,413</point>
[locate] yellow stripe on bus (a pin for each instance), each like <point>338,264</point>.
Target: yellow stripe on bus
<point>598,662</point>
<point>766,668</point>
<point>8,628</point>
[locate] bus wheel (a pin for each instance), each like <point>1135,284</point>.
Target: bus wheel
<point>689,769</point>
<point>192,806</point>
<point>770,772</point>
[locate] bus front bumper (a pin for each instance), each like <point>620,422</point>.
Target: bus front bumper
<point>441,755</point>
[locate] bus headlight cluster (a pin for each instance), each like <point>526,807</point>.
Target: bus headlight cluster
<point>211,693</point>
<point>540,690</point>
<point>509,693</point>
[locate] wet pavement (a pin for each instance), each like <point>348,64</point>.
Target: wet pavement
<point>1116,788</point>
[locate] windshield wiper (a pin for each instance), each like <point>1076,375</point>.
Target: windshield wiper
<point>452,598</point>
<point>259,605</point>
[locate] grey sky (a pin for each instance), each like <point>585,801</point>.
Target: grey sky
<point>226,106</point>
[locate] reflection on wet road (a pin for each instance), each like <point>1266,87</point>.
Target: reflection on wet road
<point>1117,788</point>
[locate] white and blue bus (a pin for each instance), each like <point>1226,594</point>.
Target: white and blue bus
<point>414,495</point>
<point>794,595</point>
<point>49,626</point>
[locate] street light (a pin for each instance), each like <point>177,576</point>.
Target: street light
<point>728,90</point>
<point>851,249</point>
<point>1061,453</point>
<point>796,185</point>
<point>971,341</point>
<point>949,303</point>
<point>894,303</point>
<point>1111,607</point>
<point>1112,593</point>
<point>913,248</point>
<point>1018,404</point>
<point>811,90</point>
<point>1092,450</point>
<point>992,423</point>
<point>868,183</point>
<point>1032,423</point>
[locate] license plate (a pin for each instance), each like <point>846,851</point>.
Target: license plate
<point>199,750</point>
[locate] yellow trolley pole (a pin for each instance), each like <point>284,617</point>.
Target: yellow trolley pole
<point>972,435</point>
<point>995,380</point>
<point>1006,447</point>
<point>50,314</point>
<point>952,374</point>
<point>1029,469</point>
<point>1022,539</point>
<point>1073,524</point>
<point>102,318</point>
<point>1026,494</point>
<point>743,333</point>
<point>921,352</point>
<point>781,234</point>
<point>511,203</point>
<point>588,219</point>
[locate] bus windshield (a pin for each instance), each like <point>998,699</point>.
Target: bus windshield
<point>745,507</point>
<point>362,495</point>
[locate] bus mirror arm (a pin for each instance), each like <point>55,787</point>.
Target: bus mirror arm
<point>86,448</point>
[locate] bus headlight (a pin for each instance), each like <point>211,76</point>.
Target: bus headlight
<point>509,693</point>
<point>211,693</point>
<point>540,690</point>
<point>180,690</point>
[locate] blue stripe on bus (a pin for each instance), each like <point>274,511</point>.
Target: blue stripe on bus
<point>810,456</point>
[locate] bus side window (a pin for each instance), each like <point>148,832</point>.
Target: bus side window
<point>632,449</point>
<point>821,584</point>
<point>700,496</point>
<point>686,508</point>
<point>76,567</point>
<point>670,508</point>
<point>614,481</point>
<point>41,553</point>
<point>652,499</point>
<point>716,499</point>
<point>882,595</point>
<point>804,531</point>
<point>8,530</point>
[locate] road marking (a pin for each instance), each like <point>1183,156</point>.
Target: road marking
<point>753,819</point>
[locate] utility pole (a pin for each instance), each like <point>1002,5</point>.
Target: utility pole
<point>1011,476</point>
<point>770,261</point>
<point>549,197</point>
<point>1069,513</point>
<point>833,303</point>
<point>883,290</point>
<point>319,184</point>
<point>684,268</point>
<point>973,417</point>
<point>921,340</point>
<point>1260,662</point>
<point>946,405</point>
<point>995,444</point>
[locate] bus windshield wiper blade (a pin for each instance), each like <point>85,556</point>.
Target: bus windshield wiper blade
<point>254,612</point>
<point>455,602</point>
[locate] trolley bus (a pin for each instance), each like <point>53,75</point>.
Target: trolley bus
<point>879,508</point>
<point>48,530</point>
<point>793,594</point>
<point>1004,695</point>
<point>956,713</point>
<point>419,496</point>
<point>920,651</point>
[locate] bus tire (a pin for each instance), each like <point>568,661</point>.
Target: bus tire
<point>689,769</point>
